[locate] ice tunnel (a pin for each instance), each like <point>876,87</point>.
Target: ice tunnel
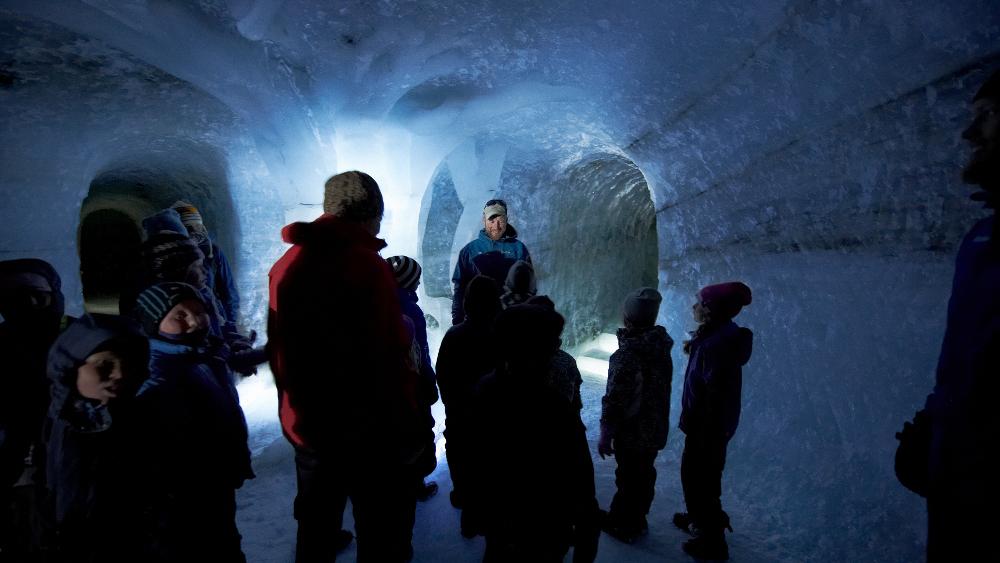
<point>811,149</point>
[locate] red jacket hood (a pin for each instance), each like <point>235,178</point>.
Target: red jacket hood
<point>329,229</point>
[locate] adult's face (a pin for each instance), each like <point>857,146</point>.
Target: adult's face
<point>495,226</point>
<point>983,134</point>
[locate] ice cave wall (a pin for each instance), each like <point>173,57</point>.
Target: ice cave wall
<point>810,149</point>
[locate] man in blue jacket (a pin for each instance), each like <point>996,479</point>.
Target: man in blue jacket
<point>491,254</point>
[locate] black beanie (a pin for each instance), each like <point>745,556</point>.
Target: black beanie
<point>156,301</point>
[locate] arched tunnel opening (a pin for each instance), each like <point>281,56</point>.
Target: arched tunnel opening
<point>109,241</point>
<point>118,199</point>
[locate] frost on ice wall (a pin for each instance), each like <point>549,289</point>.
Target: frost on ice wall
<point>810,149</point>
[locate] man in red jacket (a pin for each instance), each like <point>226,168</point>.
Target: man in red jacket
<point>347,401</point>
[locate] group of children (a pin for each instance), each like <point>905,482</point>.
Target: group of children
<point>516,445</point>
<point>135,447</point>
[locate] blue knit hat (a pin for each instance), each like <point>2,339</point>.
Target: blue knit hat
<point>156,301</point>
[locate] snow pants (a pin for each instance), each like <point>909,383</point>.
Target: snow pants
<point>198,524</point>
<point>382,498</point>
<point>702,463</point>
<point>635,478</point>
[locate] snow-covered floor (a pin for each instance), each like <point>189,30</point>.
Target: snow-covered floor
<point>268,528</point>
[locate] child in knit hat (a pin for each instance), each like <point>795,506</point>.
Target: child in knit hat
<point>198,429</point>
<point>407,272</point>
<point>635,412</point>
<point>713,382</point>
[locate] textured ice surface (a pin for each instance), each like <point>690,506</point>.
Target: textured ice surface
<point>809,148</point>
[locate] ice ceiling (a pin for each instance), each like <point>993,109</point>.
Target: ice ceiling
<point>809,148</point>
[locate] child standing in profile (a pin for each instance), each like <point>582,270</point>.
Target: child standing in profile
<point>197,431</point>
<point>710,412</point>
<point>635,413</point>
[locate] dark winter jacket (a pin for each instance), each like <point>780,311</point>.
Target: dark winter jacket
<point>408,302</point>
<point>338,344</point>
<point>962,408</point>
<point>219,278</point>
<point>636,406</point>
<point>564,377</point>
<point>547,504</point>
<point>466,355</point>
<point>492,258</point>
<point>193,415</point>
<point>25,338</point>
<point>713,381</point>
<point>92,472</point>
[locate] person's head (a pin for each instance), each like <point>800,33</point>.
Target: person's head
<point>173,311</point>
<point>191,219</point>
<point>721,302</point>
<point>174,258</point>
<point>495,218</point>
<point>521,279</point>
<point>406,271</point>
<point>100,376</point>
<point>98,357</point>
<point>529,334</point>
<point>482,299</point>
<point>355,196</point>
<point>31,299</point>
<point>164,221</point>
<point>642,307</point>
<point>983,134</point>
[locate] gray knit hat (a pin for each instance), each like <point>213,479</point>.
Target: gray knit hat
<point>354,196</point>
<point>156,301</point>
<point>406,270</point>
<point>642,306</point>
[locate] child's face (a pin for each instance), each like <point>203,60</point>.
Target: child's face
<point>186,317</point>
<point>699,312</point>
<point>100,377</point>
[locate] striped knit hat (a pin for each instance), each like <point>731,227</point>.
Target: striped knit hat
<point>156,301</point>
<point>189,214</point>
<point>406,270</point>
<point>168,253</point>
<point>191,218</point>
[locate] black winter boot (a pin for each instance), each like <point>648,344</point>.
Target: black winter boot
<point>683,521</point>
<point>622,531</point>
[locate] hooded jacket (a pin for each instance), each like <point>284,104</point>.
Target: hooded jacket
<point>192,412</point>
<point>635,409</point>
<point>25,338</point>
<point>492,258</point>
<point>338,345</point>
<point>713,382</point>
<point>92,470</point>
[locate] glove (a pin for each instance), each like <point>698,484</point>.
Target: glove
<point>604,444</point>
